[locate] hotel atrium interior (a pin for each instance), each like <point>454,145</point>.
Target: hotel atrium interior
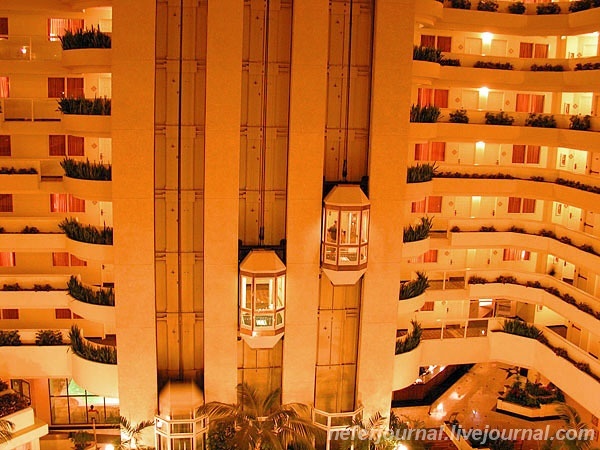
<point>356,202</point>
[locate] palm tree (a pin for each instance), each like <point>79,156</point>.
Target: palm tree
<point>572,421</point>
<point>257,423</point>
<point>6,429</point>
<point>131,435</point>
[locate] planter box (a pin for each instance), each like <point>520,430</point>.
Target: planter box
<point>88,59</point>
<point>544,411</point>
<point>97,378</point>
<point>416,248</point>
<point>94,252</point>
<point>89,189</point>
<point>84,125</point>
<point>97,313</point>
<point>406,368</point>
<point>410,305</point>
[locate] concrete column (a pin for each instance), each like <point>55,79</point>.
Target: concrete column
<point>308,100</point>
<point>390,106</point>
<point>221,197</point>
<point>133,65</point>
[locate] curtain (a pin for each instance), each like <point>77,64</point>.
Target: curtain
<point>518,154</point>
<point>76,146</point>
<point>434,204</point>
<point>418,207</point>
<point>430,256</point>
<point>533,154</point>
<point>510,254</point>
<point>76,204</point>
<point>4,145</point>
<point>4,87</point>
<point>3,27</point>
<point>11,313</point>
<point>440,98</point>
<point>424,96</point>
<point>60,259</point>
<point>537,103</point>
<point>6,203</point>
<point>529,205</point>
<point>57,27</point>
<point>62,313</point>
<point>75,87</point>
<point>75,261</point>
<point>56,87</point>
<point>444,43</point>
<point>421,152</point>
<point>7,259</point>
<point>523,103</point>
<point>56,145</point>
<point>58,203</point>
<point>438,151</point>
<point>526,50</point>
<point>541,51</point>
<point>427,40</point>
<point>514,204</point>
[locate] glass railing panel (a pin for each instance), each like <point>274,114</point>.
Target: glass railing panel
<point>29,48</point>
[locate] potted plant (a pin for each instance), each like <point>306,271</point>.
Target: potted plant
<point>516,8</point>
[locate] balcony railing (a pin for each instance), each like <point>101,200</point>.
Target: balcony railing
<point>30,109</point>
<point>29,48</point>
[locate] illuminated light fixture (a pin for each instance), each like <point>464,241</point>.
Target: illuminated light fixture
<point>400,446</point>
<point>479,145</point>
<point>486,37</point>
<point>596,33</point>
<point>109,447</point>
<point>484,91</point>
<point>24,50</point>
<point>262,298</point>
<point>562,38</point>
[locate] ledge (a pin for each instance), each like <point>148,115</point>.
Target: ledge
<point>97,378</point>
<point>415,248</point>
<point>90,60</point>
<point>96,313</point>
<point>27,429</point>
<point>93,252</point>
<point>33,361</point>
<point>95,190</point>
<point>548,410</point>
<point>418,191</point>
<point>406,367</point>
<point>34,299</point>
<point>32,242</point>
<point>16,183</point>
<point>410,305</point>
<point>83,125</point>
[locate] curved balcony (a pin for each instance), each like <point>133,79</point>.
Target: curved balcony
<point>508,349</point>
<point>97,378</point>
<point>86,125</point>
<point>96,313</point>
<point>416,248</point>
<point>94,190</point>
<point>415,191</point>
<point>410,305</point>
<point>88,60</point>
<point>93,252</point>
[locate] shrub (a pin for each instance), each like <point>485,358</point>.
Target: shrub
<point>414,288</point>
<point>3,385</point>
<point>520,328</point>
<point>85,170</point>
<point>537,178</point>
<point>516,8</point>
<point>500,118</point>
<point>455,229</point>
<point>9,338</point>
<point>411,340</point>
<point>580,122</point>
<point>418,232</point>
<point>460,4</point>
<point>86,233</point>
<point>449,62</point>
<point>21,171</point>
<point>580,5</point>
<point>42,287</point>
<point>540,121</point>
<point>92,38</point>
<point>105,297</point>
<point>493,65</point>
<point>12,287</point>
<point>561,352</point>
<point>459,116</point>
<point>486,229</point>
<point>431,54</point>
<point>105,354</point>
<point>587,66</point>
<point>547,8</point>
<point>11,403</point>
<point>30,230</point>
<point>487,5</point>
<point>421,173</point>
<point>426,114</point>
<point>48,337</point>
<point>506,279</point>
<point>514,229</point>
<point>85,106</point>
<point>477,280</point>
<point>547,68</point>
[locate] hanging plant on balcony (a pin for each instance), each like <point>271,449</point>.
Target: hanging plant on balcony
<point>104,297</point>
<point>547,8</point>
<point>99,106</point>
<point>499,118</point>
<point>411,340</point>
<point>414,288</point>
<point>579,122</point>
<point>104,354</point>
<point>418,232</point>
<point>459,116</point>
<point>424,114</point>
<point>540,120</point>
<point>86,233</point>
<point>487,5</point>
<point>86,170</point>
<point>517,8</point>
<point>421,173</point>
<point>422,53</point>
<point>88,38</point>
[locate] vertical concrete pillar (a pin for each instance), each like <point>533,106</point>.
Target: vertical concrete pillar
<point>221,196</point>
<point>133,65</point>
<point>390,106</point>
<point>308,100</point>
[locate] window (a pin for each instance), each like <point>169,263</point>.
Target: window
<point>514,254</point>
<point>66,203</point>
<point>7,259</point>
<point>531,103</point>
<point>431,204</point>
<point>3,27</point>
<point>64,259</point>
<point>62,313</point>
<point>531,50</point>
<point>443,43</point>
<point>431,151</point>
<point>427,306</point>
<point>436,97</point>
<point>519,205</point>
<point>10,314</point>
<point>5,145</point>
<point>71,404</point>
<point>57,27</point>
<point>56,145</point>
<point>75,87</point>
<point>56,87</point>
<point>6,203</point>
<point>4,87</point>
<point>76,145</point>
<point>529,154</point>
<point>430,256</point>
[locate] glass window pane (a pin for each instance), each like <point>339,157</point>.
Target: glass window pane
<point>331,225</point>
<point>264,294</point>
<point>263,321</point>
<point>280,291</point>
<point>363,254</point>
<point>279,319</point>
<point>96,409</point>
<point>246,292</point>
<point>330,254</point>
<point>58,386</point>
<point>181,444</point>
<point>364,228</point>
<point>348,256</point>
<point>345,227</point>
<point>59,410</point>
<point>246,320</point>
<point>78,410</point>
<point>74,389</point>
